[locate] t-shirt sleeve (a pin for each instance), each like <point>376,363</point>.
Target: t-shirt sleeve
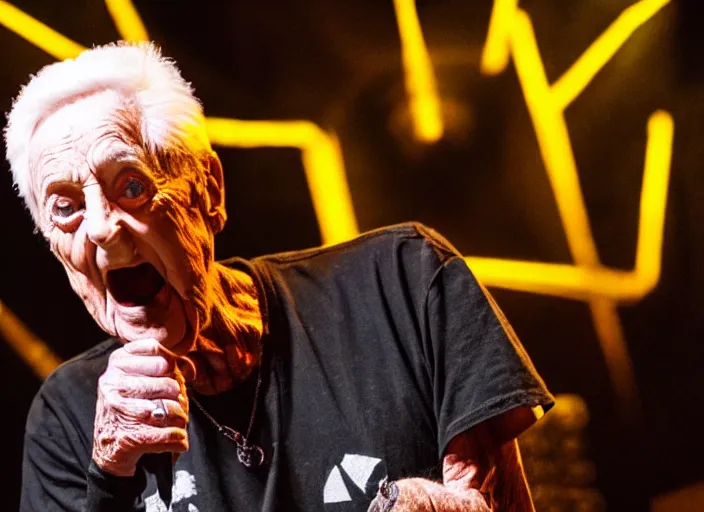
<point>56,476</point>
<point>479,368</point>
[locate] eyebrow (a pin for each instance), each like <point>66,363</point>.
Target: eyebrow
<point>117,156</point>
<point>105,168</point>
<point>61,177</point>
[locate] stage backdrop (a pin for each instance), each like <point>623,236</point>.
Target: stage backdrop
<point>556,144</point>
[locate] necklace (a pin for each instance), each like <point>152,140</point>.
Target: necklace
<point>249,455</point>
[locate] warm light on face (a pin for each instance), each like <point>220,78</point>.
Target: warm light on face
<point>135,239</point>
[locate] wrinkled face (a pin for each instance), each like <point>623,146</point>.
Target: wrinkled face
<point>133,234</point>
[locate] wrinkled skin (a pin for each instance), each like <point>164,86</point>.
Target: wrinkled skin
<point>481,472</point>
<point>124,426</point>
<point>107,202</point>
<point>84,160</point>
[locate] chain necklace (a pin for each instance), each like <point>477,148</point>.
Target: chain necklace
<point>250,455</point>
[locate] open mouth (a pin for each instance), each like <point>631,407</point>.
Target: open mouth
<point>135,286</point>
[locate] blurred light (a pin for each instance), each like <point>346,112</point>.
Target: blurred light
<point>322,160</point>
<point>609,333</point>
<point>553,140</point>
<point>253,134</point>
<point>570,412</point>
<point>546,106</point>
<point>653,201</point>
<point>557,461</point>
<point>426,113</point>
<point>37,354</point>
<point>538,411</point>
<point>496,53</point>
<point>327,181</point>
<point>37,33</point>
<point>127,20</point>
<point>560,280</point>
<point>577,77</point>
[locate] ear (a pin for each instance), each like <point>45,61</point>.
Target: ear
<point>215,198</point>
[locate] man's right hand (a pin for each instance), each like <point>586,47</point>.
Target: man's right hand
<point>140,376</point>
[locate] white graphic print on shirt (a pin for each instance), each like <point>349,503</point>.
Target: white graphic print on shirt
<point>184,487</point>
<point>359,469</point>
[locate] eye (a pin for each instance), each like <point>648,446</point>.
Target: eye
<point>66,212</point>
<point>133,188</point>
<point>64,207</point>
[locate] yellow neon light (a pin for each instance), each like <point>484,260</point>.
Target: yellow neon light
<point>577,77</point>
<point>583,282</point>
<point>653,202</point>
<point>426,112</point>
<point>327,182</point>
<point>547,112</point>
<point>37,354</point>
<point>34,31</point>
<point>538,411</point>
<point>546,105</point>
<point>127,20</point>
<point>560,280</point>
<point>554,141</point>
<point>252,134</point>
<point>609,333</point>
<point>496,52</point>
<point>322,160</point>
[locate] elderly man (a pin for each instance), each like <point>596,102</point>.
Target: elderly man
<point>373,375</point>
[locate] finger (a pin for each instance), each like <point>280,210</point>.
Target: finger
<point>131,386</point>
<point>152,366</point>
<point>142,411</point>
<point>174,415</point>
<point>150,439</point>
<point>167,447</point>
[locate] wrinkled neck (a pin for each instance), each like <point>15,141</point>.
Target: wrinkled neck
<point>228,348</point>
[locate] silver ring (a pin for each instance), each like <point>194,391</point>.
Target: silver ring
<point>159,412</point>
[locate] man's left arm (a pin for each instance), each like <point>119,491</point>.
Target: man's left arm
<point>485,391</point>
<point>482,472</point>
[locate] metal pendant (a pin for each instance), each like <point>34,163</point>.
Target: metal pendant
<point>249,455</point>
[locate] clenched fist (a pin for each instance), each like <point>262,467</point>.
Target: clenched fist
<point>141,378</point>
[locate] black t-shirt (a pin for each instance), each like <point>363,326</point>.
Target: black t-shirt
<point>376,353</point>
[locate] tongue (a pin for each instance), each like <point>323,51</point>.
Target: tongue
<point>135,286</point>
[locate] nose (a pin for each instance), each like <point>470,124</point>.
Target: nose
<point>101,226</point>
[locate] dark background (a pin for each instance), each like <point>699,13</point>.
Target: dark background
<point>483,186</point>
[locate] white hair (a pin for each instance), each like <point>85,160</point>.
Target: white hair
<point>171,116</point>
